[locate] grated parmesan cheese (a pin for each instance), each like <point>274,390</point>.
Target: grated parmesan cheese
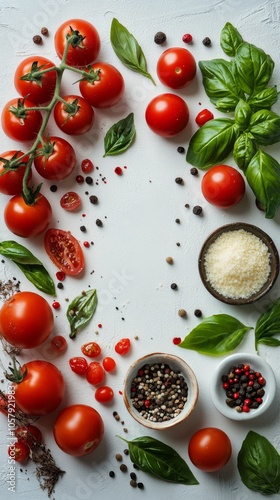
<point>237,264</point>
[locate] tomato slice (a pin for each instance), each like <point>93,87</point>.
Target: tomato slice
<point>70,201</point>
<point>64,251</point>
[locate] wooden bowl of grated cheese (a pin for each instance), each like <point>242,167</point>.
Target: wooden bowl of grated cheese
<point>238,263</point>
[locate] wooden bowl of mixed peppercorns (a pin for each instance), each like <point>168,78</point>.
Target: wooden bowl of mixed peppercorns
<point>160,390</point>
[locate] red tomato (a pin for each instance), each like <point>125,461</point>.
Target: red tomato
<point>78,365</point>
<point>41,390</point>
<point>59,344</point>
<point>167,115</point>
<point>95,373</point>
<point>70,201</point>
<point>56,159</point>
<point>39,88</point>
<point>64,251</point>
<point>176,67</point>
<point>3,405</point>
<point>123,346</point>
<point>84,49</point>
<point>11,181</point>
<point>74,116</point>
<point>26,320</point>
<point>210,449</point>
<point>78,430</point>
<point>204,116</point>
<point>29,434</point>
<point>109,364</point>
<point>91,349</point>
<point>19,451</point>
<point>18,123</point>
<point>223,186</point>
<point>25,220</point>
<point>105,87</point>
<point>104,394</point>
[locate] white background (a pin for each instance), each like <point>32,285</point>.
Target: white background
<point>128,256</point>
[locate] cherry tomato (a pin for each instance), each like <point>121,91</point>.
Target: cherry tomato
<point>59,344</point>
<point>3,405</point>
<point>26,320</point>
<point>87,166</point>
<point>41,390</point>
<point>91,349</point>
<point>78,430</point>
<point>95,373</point>
<point>11,181</point>
<point>210,449</point>
<point>74,116</point>
<point>106,87</point>
<point>123,346</point>
<point>176,67</point>
<point>84,49</point>
<point>78,365</point>
<point>29,434</point>
<point>70,201</point>
<point>223,186</point>
<point>25,220</point>
<point>19,451</point>
<point>64,251</point>
<point>204,116</point>
<point>109,364</point>
<point>18,123</point>
<point>56,159</point>
<point>104,394</point>
<point>39,88</point>
<point>167,115</point>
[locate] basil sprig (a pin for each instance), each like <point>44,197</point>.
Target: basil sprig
<point>258,464</point>
<point>268,325</point>
<point>81,310</point>
<point>241,87</point>
<point>159,460</point>
<point>31,267</point>
<point>128,49</point>
<point>120,136</point>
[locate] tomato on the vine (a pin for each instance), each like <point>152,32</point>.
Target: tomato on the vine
<point>78,365</point>
<point>105,86</point>
<point>19,123</point>
<point>167,114</point>
<point>204,116</point>
<point>104,394</point>
<point>123,346</point>
<point>176,67</point>
<point>91,349</point>
<point>59,344</point>
<point>223,186</point>
<point>64,251</point>
<point>11,180</point>
<point>55,158</point>
<point>85,45</point>
<point>25,220</point>
<point>26,320</point>
<point>95,373</point>
<point>74,115</point>
<point>109,364</point>
<point>70,201</point>
<point>29,434</point>
<point>78,429</point>
<point>39,88</point>
<point>209,449</point>
<point>19,451</point>
<point>41,390</point>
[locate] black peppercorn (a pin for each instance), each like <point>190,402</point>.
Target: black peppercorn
<point>99,222</point>
<point>133,476</point>
<point>197,210</point>
<point>177,221</point>
<point>180,149</point>
<point>44,31</point>
<point>140,486</point>
<point>93,199</point>
<point>111,473</point>
<point>198,313</point>
<point>83,229</point>
<point>37,39</point>
<point>60,286</point>
<point>194,171</point>
<point>160,38</point>
<point>179,180</point>
<point>89,180</point>
<point>123,468</point>
<point>206,41</point>
<point>174,286</point>
<point>133,483</point>
<point>53,188</point>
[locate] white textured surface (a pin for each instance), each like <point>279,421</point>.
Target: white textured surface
<point>129,253</point>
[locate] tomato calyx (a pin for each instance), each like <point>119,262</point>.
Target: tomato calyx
<point>71,108</point>
<point>46,149</point>
<point>75,38</point>
<point>16,161</point>
<point>36,73</point>
<point>18,373</point>
<point>92,75</point>
<point>20,111</point>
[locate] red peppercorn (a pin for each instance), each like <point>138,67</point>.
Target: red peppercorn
<point>56,305</point>
<point>87,166</point>
<point>251,383</point>
<point>187,38</point>
<point>235,380</point>
<point>237,371</point>
<point>246,368</point>
<point>177,340</point>
<point>147,403</point>
<point>261,380</point>
<point>236,395</point>
<point>259,400</point>
<point>247,402</point>
<point>225,385</point>
<point>118,171</point>
<point>86,244</point>
<point>258,374</point>
<point>252,376</point>
<point>245,408</point>
<point>79,179</point>
<point>60,275</point>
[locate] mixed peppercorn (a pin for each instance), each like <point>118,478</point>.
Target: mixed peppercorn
<point>244,388</point>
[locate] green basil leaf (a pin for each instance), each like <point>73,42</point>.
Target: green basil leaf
<point>120,136</point>
<point>220,83</point>
<point>263,176</point>
<point>217,335</point>
<point>31,267</point>
<point>264,99</point>
<point>272,342</point>
<point>254,68</point>
<point>159,460</point>
<point>268,324</point>
<point>230,39</point>
<point>128,49</point>
<point>265,127</point>
<point>81,310</point>
<point>258,464</point>
<point>213,142</point>
<point>244,149</point>
<point>242,113</point>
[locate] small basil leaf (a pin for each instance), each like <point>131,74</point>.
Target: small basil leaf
<point>213,142</point>
<point>268,324</point>
<point>120,136</point>
<point>159,460</point>
<point>242,113</point>
<point>258,464</point>
<point>217,335</point>
<point>272,342</point>
<point>254,68</point>
<point>263,176</point>
<point>244,149</point>
<point>81,310</point>
<point>17,253</point>
<point>230,39</point>
<point>264,99</point>
<point>265,127</point>
<point>128,49</point>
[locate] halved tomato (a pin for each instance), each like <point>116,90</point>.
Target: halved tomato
<point>64,251</point>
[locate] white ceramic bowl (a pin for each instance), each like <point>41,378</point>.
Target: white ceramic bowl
<point>175,363</point>
<point>218,393</point>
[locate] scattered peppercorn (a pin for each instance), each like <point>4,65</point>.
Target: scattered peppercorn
<point>174,286</point>
<point>169,260</point>
<point>83,229</point>
<point>118,171</point>
<point>140,486</point>
<point>197,210</point>
<point>206,41</point>
<point>179,180</point>
<point>89,180</point>
<point>198,313</point>
<point>53,188</point>
<point>182,313</point>
<point>119,457</point>
<point>60,286</point>
<point>187,205</point>
<point>177,221</point>
<point>181,149</point>
<point>126,451</point>
<point>194,171</point>
<point>123,468</point>
<point>79,179</point>
<point>37,39</point>
<point>111,473</point>
<point>133,483</point>
<point>99,222</point>
<point>187,38</point>
<point>93,199</point>
<point>133,476</point>
<point>178,244</point>
<point>160,38</point>
<point>44,31</point>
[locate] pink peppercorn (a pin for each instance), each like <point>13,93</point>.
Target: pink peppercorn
<point>56,305</point>
<point>177,340</point>
<point>187,38</point>
<point>118,171</point>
